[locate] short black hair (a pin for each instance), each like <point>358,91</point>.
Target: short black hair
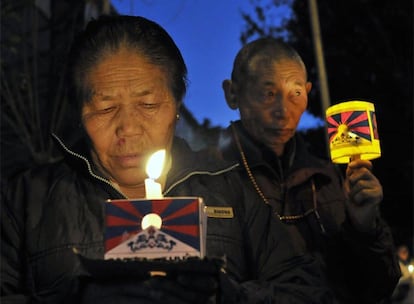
<point>269,48</point>
<point>106,35</point>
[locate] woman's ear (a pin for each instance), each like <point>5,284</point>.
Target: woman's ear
<point>228,89</point>
<point>179,103</point>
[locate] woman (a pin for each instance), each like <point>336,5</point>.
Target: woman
<point>129,80</point>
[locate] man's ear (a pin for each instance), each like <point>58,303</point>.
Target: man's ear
<point>308,87</point>
<point>228,89</point>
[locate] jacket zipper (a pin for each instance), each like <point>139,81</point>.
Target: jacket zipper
<point>100,178</point>
<point>181,180</point>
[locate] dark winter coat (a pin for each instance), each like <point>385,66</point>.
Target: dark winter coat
<point>48,211</point>
<point>362,268</point>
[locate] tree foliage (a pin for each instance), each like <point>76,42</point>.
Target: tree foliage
<point>34,102</point>
<point>368,52</point>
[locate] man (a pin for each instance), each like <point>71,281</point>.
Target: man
<point>336,220</point>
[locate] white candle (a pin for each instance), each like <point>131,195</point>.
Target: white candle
<point>152,189</point>
<point>154,168</point>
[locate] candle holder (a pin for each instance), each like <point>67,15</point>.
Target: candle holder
<point>169,227</point>
<point>352,131</point>
<point>153,236</point>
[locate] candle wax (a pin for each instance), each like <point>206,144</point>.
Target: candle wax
<point>152,189</point>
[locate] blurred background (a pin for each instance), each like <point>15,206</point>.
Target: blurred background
<point>354,49</point>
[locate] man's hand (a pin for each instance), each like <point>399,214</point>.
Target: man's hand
<point>364,193</point>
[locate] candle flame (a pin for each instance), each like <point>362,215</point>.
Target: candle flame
<point>155,164</point>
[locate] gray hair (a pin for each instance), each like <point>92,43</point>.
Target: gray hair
<point>106,35</point>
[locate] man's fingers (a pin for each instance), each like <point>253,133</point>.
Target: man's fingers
<point>358,164</point>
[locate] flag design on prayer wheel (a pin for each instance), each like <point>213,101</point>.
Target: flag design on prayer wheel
<point>349,126</point>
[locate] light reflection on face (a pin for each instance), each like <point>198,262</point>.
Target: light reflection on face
<point>132,113</point>
<point>272,101</point>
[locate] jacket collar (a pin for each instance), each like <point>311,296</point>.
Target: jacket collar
<point>296,157</point>
<point>79,157</point>
<point>256,153</point>
<point>185,162</point>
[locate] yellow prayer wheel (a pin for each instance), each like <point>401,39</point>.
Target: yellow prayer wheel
<point>352,131</point>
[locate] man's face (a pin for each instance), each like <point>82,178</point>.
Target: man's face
<point>272,101</point>
<point>132,113</point>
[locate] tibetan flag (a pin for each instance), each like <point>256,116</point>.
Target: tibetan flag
<point>155,228</point>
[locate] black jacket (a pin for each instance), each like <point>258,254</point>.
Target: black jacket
<point>361,268</point>
<point>48,211</point>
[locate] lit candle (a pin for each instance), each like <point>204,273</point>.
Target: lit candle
<point>154,168</point>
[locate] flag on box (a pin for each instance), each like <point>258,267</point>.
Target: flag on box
<point>155,228</point>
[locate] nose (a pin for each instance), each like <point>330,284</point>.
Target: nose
<point>279,109</point>
<point>129,122</point>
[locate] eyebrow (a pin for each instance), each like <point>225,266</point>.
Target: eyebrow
<point>299,82</point>
<point>268,83</point>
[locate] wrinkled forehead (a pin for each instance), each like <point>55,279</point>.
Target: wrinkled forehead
<point>403,250</point>
<point>271,70</point>
<point>261,64</point>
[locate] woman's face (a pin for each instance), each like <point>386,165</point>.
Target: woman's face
<point>132,113</point>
